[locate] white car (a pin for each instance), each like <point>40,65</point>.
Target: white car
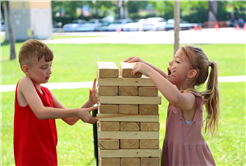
<point>91,25</point>
<point>115,25</point>
<point>72,27</point>
<point>141,25</point>
<point>158,23</point>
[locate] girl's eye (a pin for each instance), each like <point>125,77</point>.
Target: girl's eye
<point>177,61</point>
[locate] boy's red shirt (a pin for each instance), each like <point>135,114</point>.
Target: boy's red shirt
<point>35,140</point>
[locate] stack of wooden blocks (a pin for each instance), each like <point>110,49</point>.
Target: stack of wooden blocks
<point>128,119</point>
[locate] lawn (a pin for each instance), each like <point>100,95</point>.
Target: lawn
<point>76,63</point>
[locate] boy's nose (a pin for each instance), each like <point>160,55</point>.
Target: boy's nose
<point>50,71</point>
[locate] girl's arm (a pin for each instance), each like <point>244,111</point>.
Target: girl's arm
<point>183,101</point>
<point>137,59</point>
<point>31,97</point>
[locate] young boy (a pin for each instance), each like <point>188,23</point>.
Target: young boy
<point>36,108</point>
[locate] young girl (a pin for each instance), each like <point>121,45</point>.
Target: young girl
<point>184,143</point>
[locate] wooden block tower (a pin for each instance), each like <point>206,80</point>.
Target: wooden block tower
<point>128,119</point>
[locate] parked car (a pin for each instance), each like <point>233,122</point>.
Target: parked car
<point>184,25</point>
<point>72,27</point>
<point>55,26</point>
<point>2,26</point>
<point>104,25</point>
<point>91,25</point>
<point>118,24</point>
<point>158,23</point>
<point>140,25</point>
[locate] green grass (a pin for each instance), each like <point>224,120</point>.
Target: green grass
<point>78,63</point>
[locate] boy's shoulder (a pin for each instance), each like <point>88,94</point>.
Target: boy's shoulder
<point>25,81</point>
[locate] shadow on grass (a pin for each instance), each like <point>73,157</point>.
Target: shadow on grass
<point>7,43</point>
<point>91,162</point>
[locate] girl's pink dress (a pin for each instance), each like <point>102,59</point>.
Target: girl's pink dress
<point>184,144</point>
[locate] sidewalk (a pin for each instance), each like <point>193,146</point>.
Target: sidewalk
<point>206,36</point>
<point>74,85</point>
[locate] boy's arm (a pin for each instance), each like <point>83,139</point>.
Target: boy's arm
<point>30,95</point>
<point>92,100</point>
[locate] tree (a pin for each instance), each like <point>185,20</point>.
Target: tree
<point>212,12</point>
<point>10,31</point>
<point>2,9</point>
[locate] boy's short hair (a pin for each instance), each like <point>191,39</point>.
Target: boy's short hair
<point>33,48</point>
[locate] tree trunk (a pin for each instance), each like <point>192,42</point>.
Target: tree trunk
<point>176,25</point>
<point>11,33</point>
<point>2,10</point>
<point>212,12</point>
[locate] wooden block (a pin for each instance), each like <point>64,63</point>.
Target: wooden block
<point>150,161</point>
<point>126,69</point>
<point>128,135</point>
<point>128,117</point>
<point>129,100</point>
<point>151,109</point>
<point>128,109</point>
<point>108,144</point>
<point>143,81</point>
<point>128,91</point>
<point>108,109</point>
<point>110,126</point>
<point>129,126</point>
<point>107,70</point>
<point>108,91</point>
<point>148,91</point>
<point>130,161</point>
<point>149,143</point>
<point>111,161</point>
<point>131,153</point>
<point>129,144</point>
<point>148,126</point>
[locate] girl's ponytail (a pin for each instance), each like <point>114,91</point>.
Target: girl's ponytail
<point>211,100</point>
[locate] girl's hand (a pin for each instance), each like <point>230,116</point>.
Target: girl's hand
<point>134,59</point>
<point>142,68</point>
<point>85,116</point>
<point>92,97</point>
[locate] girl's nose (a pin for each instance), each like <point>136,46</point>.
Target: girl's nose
<point>170,63</point>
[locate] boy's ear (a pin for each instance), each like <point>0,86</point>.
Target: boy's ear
<point>191,74</point>
<point>25,69</point>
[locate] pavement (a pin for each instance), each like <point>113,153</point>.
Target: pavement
<point>205,36</point>
<point>74,85</point>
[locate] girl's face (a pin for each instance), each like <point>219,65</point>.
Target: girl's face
<point>178,69</point>
<point>40,71</point>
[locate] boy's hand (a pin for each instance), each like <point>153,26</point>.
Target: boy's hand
<point>92,97</point>
<point>85,116</point>
<point>142,68</point>
<point>134,59</point>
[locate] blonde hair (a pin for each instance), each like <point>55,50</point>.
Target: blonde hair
<point>200,62</point>
<point>33,48</point>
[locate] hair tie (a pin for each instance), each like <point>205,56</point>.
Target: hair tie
<point>209,63</point>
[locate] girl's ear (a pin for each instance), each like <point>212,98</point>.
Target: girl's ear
<point>191,74</point>
<point>25,69</point>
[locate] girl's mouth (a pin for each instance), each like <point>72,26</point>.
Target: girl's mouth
<point>169,71</point>
<point>47,77</point>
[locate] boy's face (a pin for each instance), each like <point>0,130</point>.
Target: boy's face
<point>40,71</point>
